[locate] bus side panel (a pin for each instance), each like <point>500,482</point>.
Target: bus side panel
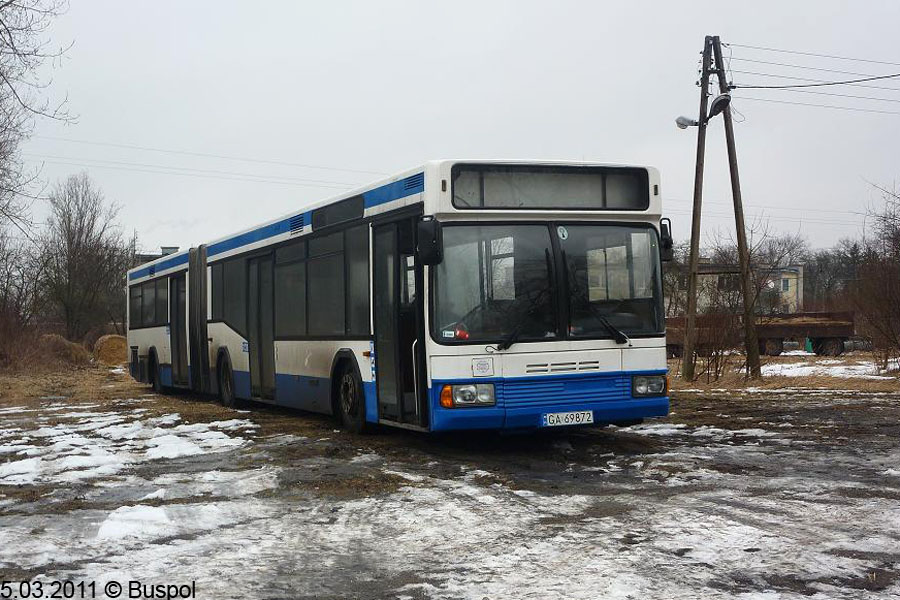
<point>157,338</point>
<point>303,372</point>
<point>224,337</point>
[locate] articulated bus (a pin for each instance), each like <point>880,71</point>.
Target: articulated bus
<point>457,295</point>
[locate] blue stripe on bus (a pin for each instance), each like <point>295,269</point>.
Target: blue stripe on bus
<point>165,375</point>
<point>303,392</point>
<point>371,395</point>
<point>241,384</point>
<point>414,184</point>
<point>264,232</point>
<point>181,259</point>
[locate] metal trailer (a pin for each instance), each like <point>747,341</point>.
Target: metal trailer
<point>826,331</point>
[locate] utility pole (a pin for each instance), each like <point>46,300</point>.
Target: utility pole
<point>750,340</point>
<point>690,328</point>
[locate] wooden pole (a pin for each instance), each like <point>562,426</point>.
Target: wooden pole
<point>690,326</point>
<point>750,340</point>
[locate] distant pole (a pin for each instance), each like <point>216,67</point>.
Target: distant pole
<point>690,326</point>
<point>750,340</point>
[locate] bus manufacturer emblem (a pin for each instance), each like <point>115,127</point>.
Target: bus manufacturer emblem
<point>482,367</point>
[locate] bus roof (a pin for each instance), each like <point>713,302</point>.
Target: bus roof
<point>402,184</point>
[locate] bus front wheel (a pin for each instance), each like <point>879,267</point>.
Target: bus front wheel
<point>351,401</point>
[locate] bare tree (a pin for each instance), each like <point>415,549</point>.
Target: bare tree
<point>769,254</point>
<point>87,258</point>
<point>24,48</point>
<point>876,292</point>
<point>675,273</point>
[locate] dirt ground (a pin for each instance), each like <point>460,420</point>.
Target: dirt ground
<point>762,491</point>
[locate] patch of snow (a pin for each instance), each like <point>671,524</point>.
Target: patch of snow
<point>756,432</point>
<point>366,458</point>
<point>19,471</point>
<point>171,446</point>
<point>134,521</point>
<point>657,429</point>
<point>234,424</point>
<point>823,368</point>
<point>157,495</point>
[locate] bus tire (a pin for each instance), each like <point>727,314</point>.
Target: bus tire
<point>154,375</point>
<point>350,400</point>
<point>225,378</point>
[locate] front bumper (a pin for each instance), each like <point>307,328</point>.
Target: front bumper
<point>523,401</point>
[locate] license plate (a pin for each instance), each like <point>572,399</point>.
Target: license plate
<point>577,417</point>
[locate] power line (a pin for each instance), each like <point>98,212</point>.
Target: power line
<point>802,53</point>
<point>206,155</point>
<point>769,207</point>
<point>796,78</point>
<point>187,174</point>
<point>806,85</point>
<point>850,108</point>
<point>780,64</point>
<point>843,222</point>
<point>174,168</point>
<point>788,89</point>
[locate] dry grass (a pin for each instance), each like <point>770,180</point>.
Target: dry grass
<point>734,377</point>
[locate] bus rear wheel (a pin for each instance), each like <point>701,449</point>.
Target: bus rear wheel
<point>226,384</point>
<point>155,379</point>
<point>351,402</point>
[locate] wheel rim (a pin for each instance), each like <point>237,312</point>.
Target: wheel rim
<point>348,395</point>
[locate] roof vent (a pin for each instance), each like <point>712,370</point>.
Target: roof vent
<point>414,181</point>
<point>297,222</point>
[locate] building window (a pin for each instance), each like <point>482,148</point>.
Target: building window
<point>785,285</point>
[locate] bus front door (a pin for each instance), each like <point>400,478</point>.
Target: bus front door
<point>178,329</point>
<point>399,362</point>
<point>261,328</point>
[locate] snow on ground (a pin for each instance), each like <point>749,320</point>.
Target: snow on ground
<point>694,511</point>
<point>829,368</point>
<point>83,445</point>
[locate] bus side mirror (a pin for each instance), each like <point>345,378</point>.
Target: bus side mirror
<point>430,242</point>
<point>666,243</point>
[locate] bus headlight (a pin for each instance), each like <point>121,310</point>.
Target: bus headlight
<point>648,385</point>
<point>467,394</point>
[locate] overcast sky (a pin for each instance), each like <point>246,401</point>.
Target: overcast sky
<point>368,88</point>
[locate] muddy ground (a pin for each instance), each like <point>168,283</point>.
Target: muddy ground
<point>760,493</point>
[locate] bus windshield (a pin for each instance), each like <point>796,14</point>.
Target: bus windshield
<point>498,281</point>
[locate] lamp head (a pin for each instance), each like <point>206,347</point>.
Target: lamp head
<point>685,122</point>
<point>719,104</point>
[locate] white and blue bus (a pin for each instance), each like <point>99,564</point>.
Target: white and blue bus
<point>457,295</point>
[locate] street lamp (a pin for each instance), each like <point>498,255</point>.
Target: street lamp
<point>719,104</point>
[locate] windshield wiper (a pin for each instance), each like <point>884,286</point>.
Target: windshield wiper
<point>509,340</point>
<point>618,335</point>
